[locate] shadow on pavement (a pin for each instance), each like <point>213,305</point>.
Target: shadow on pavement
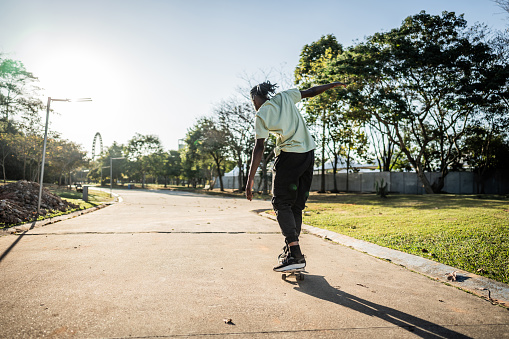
<point>2,257</point>
<point>318,287</point>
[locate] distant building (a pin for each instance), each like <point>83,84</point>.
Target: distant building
<point>356,167</point>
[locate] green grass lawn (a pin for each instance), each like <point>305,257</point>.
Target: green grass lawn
<point>467,232</point>
<point>95,197</point>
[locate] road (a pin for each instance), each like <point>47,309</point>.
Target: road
<point>174,264</point>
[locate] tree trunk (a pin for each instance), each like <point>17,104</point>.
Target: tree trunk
<point>347,171</point>
<point>265,181</point>
<point>218,164</point>
<point>416,164</point>
<point>425,182</point>
<point>244,183</point>
<point>265,177</point>
<point>4,156</point>
<point>24,161</point>
<point>240,178</point>
<point>322,186</point>
<point>439,186</point>
<point>37,174</point>
<point>334,171</point>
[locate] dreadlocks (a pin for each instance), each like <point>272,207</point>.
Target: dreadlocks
<point>264,89</point>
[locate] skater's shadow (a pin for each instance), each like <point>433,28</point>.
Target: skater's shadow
<point>318,287</point>
<point>4,254</point>
<point>461,278</point>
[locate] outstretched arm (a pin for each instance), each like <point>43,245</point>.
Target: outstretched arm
<point>256,158</point>
<point>311,92</point>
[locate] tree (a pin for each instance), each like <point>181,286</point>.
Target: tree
<point>347,140</point>
<point>64,157</point>
<point>424,81</point>
<point>386,152</point>
<point>157,163</point>
<point>214,143</point>
<point>268,154</point>
<point>7,146</point>
<point>311,71</point>
<point>173,166</point>
<point>282,77</point>
<point>17,91</point>
<point>487,152</point>
<point>101,165</point>
<point>235,118</point>
<point>31,127</point>
<point>503,37</point>
<point>191,158</point>
<point>138,152</point>
<point>18,100</point>
<point>504,4</point>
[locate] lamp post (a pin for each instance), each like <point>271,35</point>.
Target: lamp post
<point>44,144</point>
<point>111,173</point>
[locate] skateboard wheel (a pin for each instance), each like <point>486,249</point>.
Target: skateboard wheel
<point>283,276</point>
<point>300,277</point>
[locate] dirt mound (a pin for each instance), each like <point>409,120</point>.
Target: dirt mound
<point>18,202</point>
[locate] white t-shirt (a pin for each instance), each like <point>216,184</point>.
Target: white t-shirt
<point>280,116</point>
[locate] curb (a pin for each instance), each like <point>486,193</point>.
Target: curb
<point>34,224</point>
<point>488,289</point>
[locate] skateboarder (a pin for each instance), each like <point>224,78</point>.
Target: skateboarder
<point>293,167</point>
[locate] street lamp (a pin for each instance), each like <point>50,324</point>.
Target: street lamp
<point>111,173</point>
<point>45,140</point>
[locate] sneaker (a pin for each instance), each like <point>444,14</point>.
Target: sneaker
<point>284,255</point>
<point>290,263</point>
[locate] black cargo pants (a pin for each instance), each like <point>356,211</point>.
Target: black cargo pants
<point>291,181</point>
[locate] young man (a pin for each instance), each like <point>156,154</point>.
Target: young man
<point>293,167</point>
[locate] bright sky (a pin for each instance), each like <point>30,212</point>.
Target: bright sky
<point>155,66</point>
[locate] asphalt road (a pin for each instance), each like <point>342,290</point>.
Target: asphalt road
<point>173,264</point>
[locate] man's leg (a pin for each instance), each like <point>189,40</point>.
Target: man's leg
<point>304,187</point>
<point>288,169</point>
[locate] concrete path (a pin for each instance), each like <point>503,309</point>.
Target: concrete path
<point>173,264</point>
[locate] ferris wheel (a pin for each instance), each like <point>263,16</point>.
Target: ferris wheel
<point>97,137</point>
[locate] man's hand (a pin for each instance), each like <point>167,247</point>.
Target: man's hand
<point>249,191</point>
<point>256,158</point>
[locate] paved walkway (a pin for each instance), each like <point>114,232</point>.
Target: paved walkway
<point>173,264</point>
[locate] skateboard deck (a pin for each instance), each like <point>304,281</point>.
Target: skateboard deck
<point>297,273</point>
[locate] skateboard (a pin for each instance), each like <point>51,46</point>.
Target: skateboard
<point>297,273</point>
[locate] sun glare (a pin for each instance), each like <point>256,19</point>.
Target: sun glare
<point>78,71</point>
<point>72,72</point>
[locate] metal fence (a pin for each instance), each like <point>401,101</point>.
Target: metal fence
<point>402,182</point>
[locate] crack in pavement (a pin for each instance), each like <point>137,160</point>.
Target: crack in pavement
<point>427,330</point>
<point>152,232</point>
